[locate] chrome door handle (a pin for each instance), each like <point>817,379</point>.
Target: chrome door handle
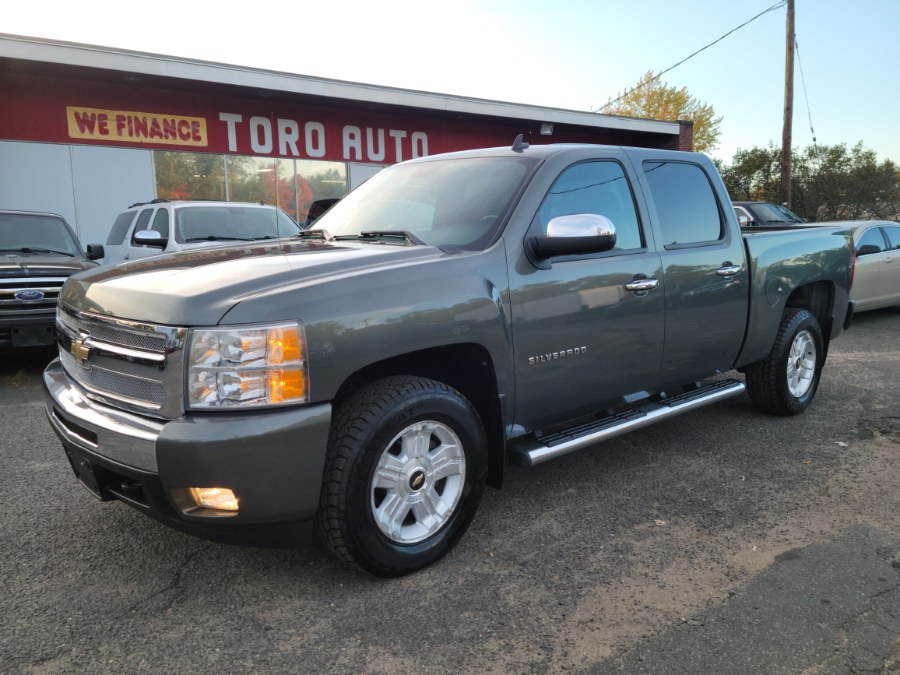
<point>642,285</point>
<point>729,270</point>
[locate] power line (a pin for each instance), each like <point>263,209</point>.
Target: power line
<point>777,5</point>
<point>805,96</point>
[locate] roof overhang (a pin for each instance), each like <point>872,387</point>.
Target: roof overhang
<point>52,52</point>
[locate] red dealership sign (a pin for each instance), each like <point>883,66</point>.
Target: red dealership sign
<point>313,139</point>
<point>109,110</point>
<point>135,127</point>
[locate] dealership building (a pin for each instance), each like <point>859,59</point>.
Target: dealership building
<point>86,131</point>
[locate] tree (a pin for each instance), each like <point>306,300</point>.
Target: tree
<point>651,98</point>
<point>828,182</point>
<point>754,175</point>
<point>840,183</point>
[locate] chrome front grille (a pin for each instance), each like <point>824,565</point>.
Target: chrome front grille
<point>150,343</point>
<point>143,392</point>
<point>131,365</point>
<point>46,288</point>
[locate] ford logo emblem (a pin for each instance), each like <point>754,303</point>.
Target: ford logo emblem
<point>29,295</point>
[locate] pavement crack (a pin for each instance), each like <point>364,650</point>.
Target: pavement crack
<point>170,586</point>
<point>870,607</point>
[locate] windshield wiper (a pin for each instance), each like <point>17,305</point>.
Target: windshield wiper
<point>385,234</point>
<point>318,233</point>
<point>213,237</point>
<point>32,249</point>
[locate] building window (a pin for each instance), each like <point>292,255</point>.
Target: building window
<point>289,184</point>
<point>189,175</point>
<point>319,180</point>
<point>251,179</point>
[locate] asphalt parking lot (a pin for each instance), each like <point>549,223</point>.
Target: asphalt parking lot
<point>720,541</point>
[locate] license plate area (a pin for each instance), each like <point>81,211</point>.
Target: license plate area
<point>87,475</point>
<point>33,336</point>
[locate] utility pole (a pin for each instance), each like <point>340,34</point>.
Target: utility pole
<point>788,108</point>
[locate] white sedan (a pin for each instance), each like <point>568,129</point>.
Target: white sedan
<point>876,282</point>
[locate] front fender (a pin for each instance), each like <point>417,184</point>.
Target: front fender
<point>356,320</point>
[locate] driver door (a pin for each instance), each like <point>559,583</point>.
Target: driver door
<point>583,339</point>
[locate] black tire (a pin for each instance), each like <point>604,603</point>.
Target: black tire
<point>374,428</point>
<point>784,383</point>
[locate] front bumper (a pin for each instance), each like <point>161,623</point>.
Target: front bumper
<point>273,461</point>
<point>28,328</point>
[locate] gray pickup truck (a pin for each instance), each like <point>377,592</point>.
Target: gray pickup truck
<point>454,313</point>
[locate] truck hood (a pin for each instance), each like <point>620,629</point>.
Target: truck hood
<point>24,265</point>
<point>194,288</point>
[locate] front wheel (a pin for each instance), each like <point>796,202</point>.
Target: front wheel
<point>785,382</point>
<point>405,470</point>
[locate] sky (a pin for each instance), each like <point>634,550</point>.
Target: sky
<point>570,54</point>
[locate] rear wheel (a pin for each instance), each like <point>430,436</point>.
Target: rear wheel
<point>785,382</point>
<point>404,475</point>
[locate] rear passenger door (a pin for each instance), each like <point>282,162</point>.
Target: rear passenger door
<point>706,280</point>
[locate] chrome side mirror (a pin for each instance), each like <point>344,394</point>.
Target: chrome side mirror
<point>150,238</point>
<point>580,233</point>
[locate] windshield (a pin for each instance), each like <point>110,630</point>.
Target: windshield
<point>450,203</point>
<point>201,223</point>
<point>774,213</point>
<point>33,233</point>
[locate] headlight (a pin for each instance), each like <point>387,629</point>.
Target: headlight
<point>247,367</point>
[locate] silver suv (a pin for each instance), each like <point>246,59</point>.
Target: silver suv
<point>164,226</point>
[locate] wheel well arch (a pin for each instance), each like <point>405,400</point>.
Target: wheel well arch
<point>468,368</point>
<point>818,299</point>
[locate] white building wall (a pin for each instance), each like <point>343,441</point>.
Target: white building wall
<point>87,185</point>
<point>360,173</point>
<point>106,181</point>
<point>37,177</point>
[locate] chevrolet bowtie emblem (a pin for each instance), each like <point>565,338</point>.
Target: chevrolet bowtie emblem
<point>80,351</point>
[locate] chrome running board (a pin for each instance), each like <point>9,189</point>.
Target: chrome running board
<point>533,450</point>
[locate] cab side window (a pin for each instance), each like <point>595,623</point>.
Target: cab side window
<point>120,229</point>
<point>686,205</point>
<point>161,223</point>
<point>598,188</point>
<point>141,224</point>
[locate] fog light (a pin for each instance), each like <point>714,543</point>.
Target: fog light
<point>221,499</point>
